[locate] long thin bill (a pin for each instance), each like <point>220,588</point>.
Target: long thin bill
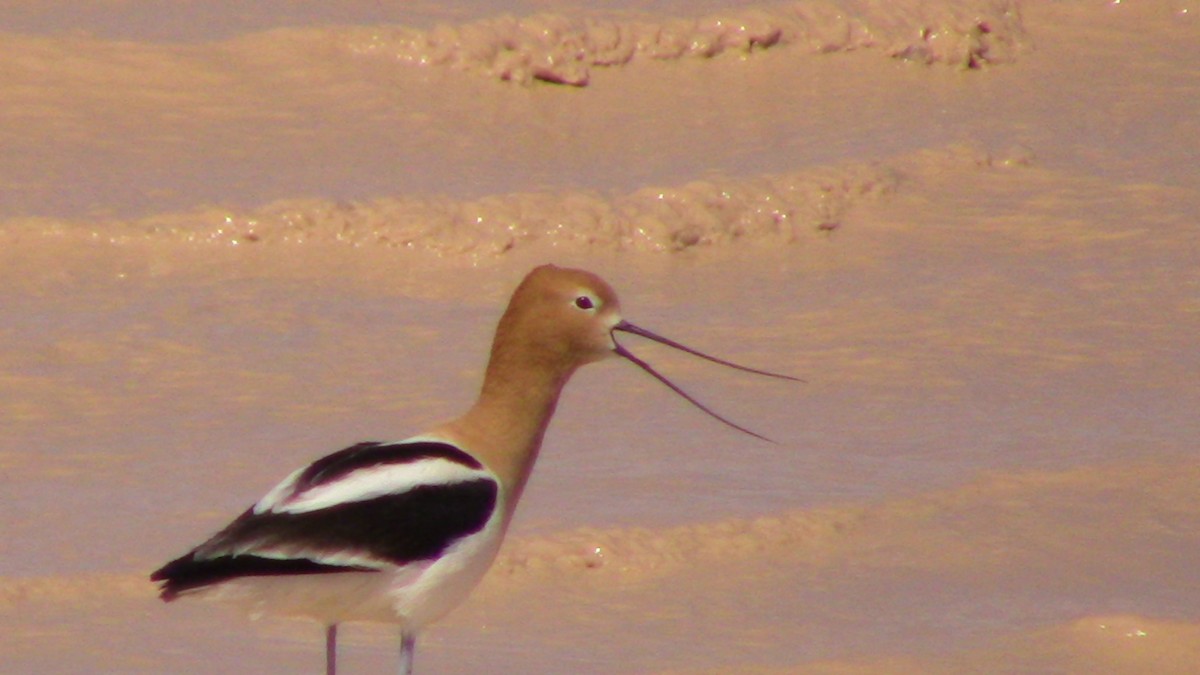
<point>621,351</point>
<point>636,330</point>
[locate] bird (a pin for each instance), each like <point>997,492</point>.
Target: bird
<point>401,532</point>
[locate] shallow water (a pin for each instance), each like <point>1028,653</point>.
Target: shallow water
<point>226,251</point>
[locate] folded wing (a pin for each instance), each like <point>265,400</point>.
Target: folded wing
<point>369,507</point>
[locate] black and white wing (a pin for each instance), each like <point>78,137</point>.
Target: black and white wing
<point>369,507</point>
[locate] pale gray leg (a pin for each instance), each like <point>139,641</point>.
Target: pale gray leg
<point>331,649</point>
<point>408,649</point>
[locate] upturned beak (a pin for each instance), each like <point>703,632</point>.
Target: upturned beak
<point>627,327</point>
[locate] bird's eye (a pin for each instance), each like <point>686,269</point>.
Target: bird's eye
<point>584,302</point>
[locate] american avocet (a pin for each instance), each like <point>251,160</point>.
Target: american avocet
<point>402,532</point>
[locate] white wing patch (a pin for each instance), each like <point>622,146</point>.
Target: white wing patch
<point>368,482</point>
<point>377,481</point>
<point>278,494</point>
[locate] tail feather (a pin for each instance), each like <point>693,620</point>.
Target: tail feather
<point>189,573</point>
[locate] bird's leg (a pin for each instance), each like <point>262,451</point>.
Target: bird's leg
<point>408,648</point>
<point>331,649</point>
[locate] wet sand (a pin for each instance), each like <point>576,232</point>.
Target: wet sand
<point>987,277</point>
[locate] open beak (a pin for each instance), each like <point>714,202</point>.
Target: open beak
<point>627,327</point>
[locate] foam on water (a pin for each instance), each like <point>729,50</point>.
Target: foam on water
<point>778,208</point>
<point>563,50</point>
